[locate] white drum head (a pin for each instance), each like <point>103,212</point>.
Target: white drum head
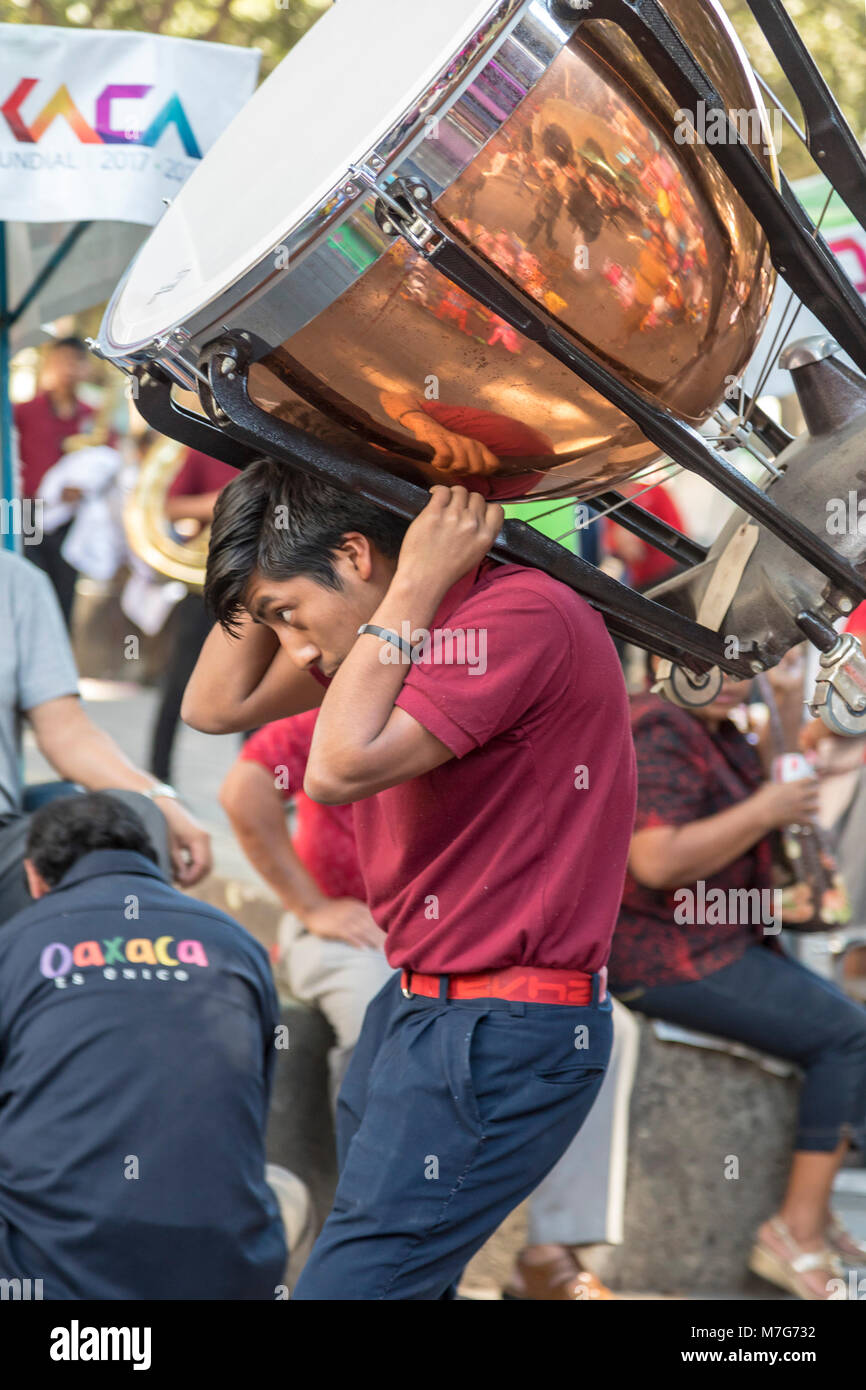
<point>339,90</point>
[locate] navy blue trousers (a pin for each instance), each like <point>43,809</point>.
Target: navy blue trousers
<point>450,1113</point>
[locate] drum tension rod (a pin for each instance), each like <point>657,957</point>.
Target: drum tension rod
<point>650,528</point>
<point>681,442</point>
<point>764,427</point>
<point>629,615</point>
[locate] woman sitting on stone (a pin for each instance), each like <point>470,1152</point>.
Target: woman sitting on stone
<point>705,818</point>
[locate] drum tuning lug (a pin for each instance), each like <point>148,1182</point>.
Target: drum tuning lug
<point>401,209</point>
<point>171,345</point>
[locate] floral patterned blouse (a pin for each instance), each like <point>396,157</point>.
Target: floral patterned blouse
<point>686,772</point>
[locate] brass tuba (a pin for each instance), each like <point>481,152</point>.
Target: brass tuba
<point>149,533</point>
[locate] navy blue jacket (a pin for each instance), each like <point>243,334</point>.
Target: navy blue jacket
<point>136,1050</point>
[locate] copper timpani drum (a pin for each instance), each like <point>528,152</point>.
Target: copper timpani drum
<point>502,239</point>
<point>557,160</point>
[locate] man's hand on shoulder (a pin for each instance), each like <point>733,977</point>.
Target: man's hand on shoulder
<point>448,539</point>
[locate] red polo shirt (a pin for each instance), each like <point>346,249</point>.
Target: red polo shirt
<point>324,838</point>
<point>40,437</point>
<point>513,852</point>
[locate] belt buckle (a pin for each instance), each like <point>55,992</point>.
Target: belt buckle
<point>407,993</point>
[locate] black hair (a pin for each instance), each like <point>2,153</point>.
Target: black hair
<point>76,344</point>
<point>279,522</point>
<point>64,830</point>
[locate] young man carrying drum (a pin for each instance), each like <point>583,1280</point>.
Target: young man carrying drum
<point>494,808</point>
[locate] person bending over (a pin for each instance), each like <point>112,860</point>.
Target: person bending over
<point>493,782</point>
<point>137,1044</point>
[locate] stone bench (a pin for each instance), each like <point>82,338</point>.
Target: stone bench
<point>710,1145</point>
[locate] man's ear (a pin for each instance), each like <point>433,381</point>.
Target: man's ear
<point>357,550</point>
<point>35,882</point>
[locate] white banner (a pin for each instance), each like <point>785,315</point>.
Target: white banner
<point>99,125</point>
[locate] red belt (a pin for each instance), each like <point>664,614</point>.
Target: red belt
<point>525,984</point>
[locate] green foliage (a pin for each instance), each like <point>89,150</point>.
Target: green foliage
<point>268,25</point>
<point>835,35</point>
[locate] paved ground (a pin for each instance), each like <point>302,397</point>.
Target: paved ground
<point>126,712</point>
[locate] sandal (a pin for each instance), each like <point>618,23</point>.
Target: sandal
<point>849,1249</point>
<point>787,1273</point>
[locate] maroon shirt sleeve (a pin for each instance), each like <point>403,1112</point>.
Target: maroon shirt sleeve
<point>525,646</point>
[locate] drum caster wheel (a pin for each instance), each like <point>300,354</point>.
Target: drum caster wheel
<point>683,688</point>
<point>838,717</point>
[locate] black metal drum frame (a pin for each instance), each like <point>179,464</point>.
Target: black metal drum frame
<point>241,431</point>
